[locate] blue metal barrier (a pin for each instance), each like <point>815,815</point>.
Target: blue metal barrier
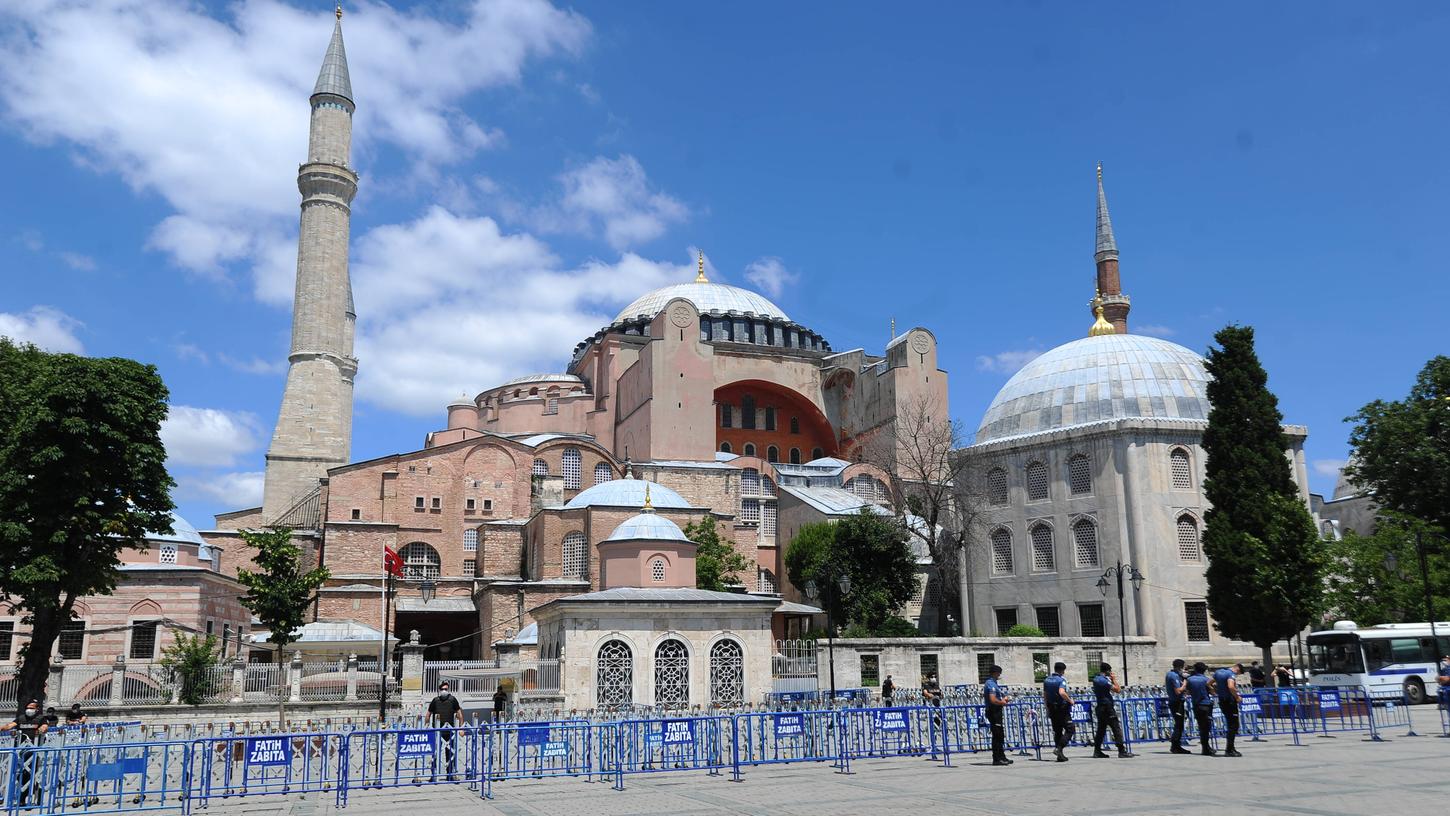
<point>256,765</point>
<point>680,744</point>
<point>547,749</point>
<point>401,757</point>
<point>129,777</point>
<point>778,737</point>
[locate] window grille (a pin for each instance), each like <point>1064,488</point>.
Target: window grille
<point>727,418</point>
<point>1079,475</point>
<point>1044,554</point>
<point>143,641</point>
<point>727,674</point>
<point>1001,552</point>
<point>1090,618</point>
<point>1047,621</point>
<point>541,468</point>
<point>672,675</point>
<point>551,405</point>
<point>1006,619</point>
<point>470,541</point>
<point>7,638</point>
<point>1195,614</point>
<point>750,510</point>
<point>920,594</point>
<point>420,561</point>
<point>575,562</point>
<point>1182,469</point>
<point>927,663</point>
<point>764,581</point>
<point>1093,658</point>
<point>997,486</point>
<point>657,570</point>
<point>71,643</point>
<point>767,486</point>
<point>1188,543</point>
<point>750,482</point>
<point>470,567</point>
<point>603,473</point>
<point>985,662</point>
<point>871,670</point>
<point>1036,481</point>
<point>614,674</point>
<point>767,518</point>
<point>1085,543</point>
<point>168,553</point>
<point>573,470</point>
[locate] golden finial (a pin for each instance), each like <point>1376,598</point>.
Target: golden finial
<point>648,506</point>
<point>1101,326</point>
<point>700,275</point>
<point>339,12</point>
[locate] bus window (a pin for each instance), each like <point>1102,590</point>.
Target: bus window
<point>1405,650</point>
<point>1377,654</point>
<point>1336,656</point>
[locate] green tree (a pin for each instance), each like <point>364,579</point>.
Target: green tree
<point>280,591</point>
<point>82,478</point>
<point>1376,579</point>
<point>1401,450</point>
<point>190,660</point>
<point>872,551</point>
<point>1266,561</point>
<point>717,564</point>
<point>1025,630</point>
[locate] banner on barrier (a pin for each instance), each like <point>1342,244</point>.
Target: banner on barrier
<point>789,725</point>
<point>1250,705</point>
<point>534,736</point>
<point>679,732</point>
<point>889,719</point>
<point>556,749</point>
<point>416,743</point>
<point>269,751</point>
<point>1082,711</point>
<point>1162,708</point>
<point>1328,701</point>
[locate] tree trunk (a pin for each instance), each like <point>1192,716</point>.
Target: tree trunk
<point>35,671</point>
<point>1268,663</point>
<point>284,689</point>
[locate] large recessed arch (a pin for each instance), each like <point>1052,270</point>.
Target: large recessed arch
<point>814,429</point>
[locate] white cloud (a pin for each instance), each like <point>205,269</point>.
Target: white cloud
<point>1007,362</point>
<point>46,327</point>
<point>191,351</point>
<point>1153,330</point>
<point>79,262</point>
<point>1328,467</point>
<point>769,273</point>
<point>614,198</point>
<point>208,437</point>
<point>243,489</point>
<point>253,365</point>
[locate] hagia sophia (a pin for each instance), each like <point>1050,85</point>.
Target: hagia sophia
<point>552,507</point>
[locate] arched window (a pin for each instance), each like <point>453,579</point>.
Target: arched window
<point>1036,481</point>
<point>772,454</point>
<point>727,674</point>
<point>765,581</point>
<point>657,570</point>
<point>575,560</point>
<point>1182,468</point>
<point>573,469</point>
<point>997,486</point>
<point>817,453</point>
<point>603,473</point>
<point>1189,548</point>
<point>420,561</point>
<point>795,456</point>
<point>1001,552</point>
<point>1044,554</point>
<point>1079,475</point>
<point>614,674</point>
<point>672,675</point>
<point>767,486</point>
<point>1085,543</point>
<point>541,468</point>
<point>747,412</point>
<point>795,425</point>
<point>749,449</point>
<point>749,482</point>
<point>725,447</point>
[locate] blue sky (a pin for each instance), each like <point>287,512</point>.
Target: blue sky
<point>528,168</point>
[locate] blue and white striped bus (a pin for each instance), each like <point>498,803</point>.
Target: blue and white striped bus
<point>1392,658</point>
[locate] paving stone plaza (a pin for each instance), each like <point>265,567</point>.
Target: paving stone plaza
<point>1344,774</point>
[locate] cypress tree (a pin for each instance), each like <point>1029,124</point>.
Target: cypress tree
<point>1266,561</point>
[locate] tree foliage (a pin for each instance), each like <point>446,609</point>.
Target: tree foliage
<point>279,591</point>
<point>1401,450</point>
<point>1266,561</point>
<point>1376,578</point>
<point>82,478</point>
<point>869,549</point>
<point>190,659</point>
<point>717,565</point>
<point>1025,630</point>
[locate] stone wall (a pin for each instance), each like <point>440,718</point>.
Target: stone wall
<point>962,660</point>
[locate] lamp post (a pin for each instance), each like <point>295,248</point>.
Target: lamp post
<point>383,652</point>
<point>1121,571</point>
<point>843,585</point>
<point>1392,564</point>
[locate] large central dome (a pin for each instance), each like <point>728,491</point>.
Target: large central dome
<point>1115,376</point>
<point>706,297</point>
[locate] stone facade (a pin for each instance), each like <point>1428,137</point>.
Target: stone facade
<point>963,661</point>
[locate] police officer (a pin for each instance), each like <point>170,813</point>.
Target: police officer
<point>997,700</point>
<point>1176,687</point>
<point>1059,709</point>
<point>1227,686</point>
<point>1105,685</point>
<point>1200,694</point>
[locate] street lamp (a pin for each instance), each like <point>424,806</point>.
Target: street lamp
<point>843,585</point>
<point>428,589</point>
<point>1392,564</point>
<point>1121,571</point>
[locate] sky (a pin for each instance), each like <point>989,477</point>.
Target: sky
<point>528,168</point>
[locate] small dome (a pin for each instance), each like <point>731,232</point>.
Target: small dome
<point>648,527</point>
<point>629,493</point>
<point>706,297</point>
<point>181,532</point>
<point>542,378</point>
<point>1114,376</point>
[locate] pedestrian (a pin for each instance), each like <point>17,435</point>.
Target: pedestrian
<point>888,691</point>
<point>1442,674</point>
<point>996,699</point>
<point>446,713</point>
<point>1227,686</point>
<point>1059,709</point>
<point>74,716</point>
<point>52,719</point>
<point>1256,675</point>
<point>931,690</point>
<point>1200,694</point>
<point>1283,676</point>
<point>1176,687</point>
<point>1105,685</point>
<point>500,699</point>
<point>30,728</point>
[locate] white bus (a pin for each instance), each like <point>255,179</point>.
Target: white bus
<point>1389,658</point>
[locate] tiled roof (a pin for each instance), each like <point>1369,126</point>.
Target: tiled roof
<point>706,297</point>
<point>834,501</point>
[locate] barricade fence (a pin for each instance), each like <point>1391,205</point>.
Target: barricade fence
<point>119,767</point>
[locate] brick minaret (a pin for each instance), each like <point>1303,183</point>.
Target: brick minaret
<point>1115,304</point>
<point>314,427</point>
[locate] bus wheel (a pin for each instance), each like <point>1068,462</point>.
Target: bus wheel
<point>1414,691</point>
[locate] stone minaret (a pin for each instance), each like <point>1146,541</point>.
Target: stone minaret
<point>1114,303</point>
<point>314,427</point>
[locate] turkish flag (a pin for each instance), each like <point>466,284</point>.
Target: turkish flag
<point>392,562</point>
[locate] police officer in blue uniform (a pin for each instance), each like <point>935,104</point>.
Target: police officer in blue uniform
<point>996,699</point>
<point>1227,686</point>
<point>1059,709</point>
<point>1176,687</point>
<point>1200,694</point>
<point>1105,685</point>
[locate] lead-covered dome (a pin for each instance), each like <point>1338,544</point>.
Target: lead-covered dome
<point>629,493</point>
<point>647,527</point>
<point>1116,376</point>
<point>706,297</point>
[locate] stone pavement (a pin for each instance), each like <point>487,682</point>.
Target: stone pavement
<point>1340,775</point>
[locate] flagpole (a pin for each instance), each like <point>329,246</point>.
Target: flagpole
<point>387,578</point>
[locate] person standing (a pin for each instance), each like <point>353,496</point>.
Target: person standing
<point>500,700</point>
<point>931,693</point>
<point>29,728</point>
<point>446,713</point>
<point>1105,685</point>
<point>1283,677</point>
<point>1059,709</point>
<point>1200,694</point>
<point>1442,674</point>
<point>1227,686</point>
<point>888,691</point>
<point>1256,675</point>
<point>74,716</point>
<point>996,699</point>
<point>1176,686</point>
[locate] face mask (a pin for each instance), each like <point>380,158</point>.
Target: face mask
<point>32,713</point>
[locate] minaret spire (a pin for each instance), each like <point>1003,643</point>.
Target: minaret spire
<point>1110,299</point>
<point>700,275</point>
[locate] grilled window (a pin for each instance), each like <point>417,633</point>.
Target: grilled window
<point>573,469</point>
<point>727,418</point>
<point>420,561</point>
<point>1182,469</point>
<point>1090,619</point>
<point>470,567</point>
<point>1189,548</point>
<point>1001,552</point>
<point>575,564</point>
<point>143,641</point>
<point>657,570</point>
<point>997,486</point>
<point>1195,615</point>
<point>71,643</point>
<point>1047,621</point>
<point>750,510</point>
<point>764,581</point>
<point>541,468</point>
<point>1085,543</point>
<point>168,553</point>
<point>470,541</point>
<point>1006,619</point>
<point>1036,481</point>
<point>985,661</point>
<point>603,473</point>
<point>1044,553</point>
<point>1079,475</point>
